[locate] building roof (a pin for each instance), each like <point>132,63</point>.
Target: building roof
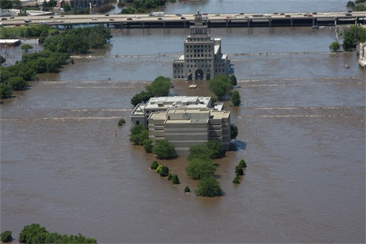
<point>178,102</point>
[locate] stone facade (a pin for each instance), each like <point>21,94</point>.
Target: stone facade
<point>185,128</point>
<point>202,58</point>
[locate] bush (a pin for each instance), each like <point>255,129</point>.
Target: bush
<point>148,146</point>
<point>5,90</point>
<point>239,170</point>
<point>164,172</point>
<point>26,47</point>
<point>233,80</point>
<point>209,187</point>
<point>334,46</point>
<point>6,236</point>
<point>158,169</point>
<point>163,149</point>
<point>236,179</point>
<point>242,163</point>
<point>233,131</point>
<point>200,168</point>
<point>175,180</point>
<point>235,98</point>
<point>187,189</point>
<point>213,99</point>
<point>154,165</point>
<point>170,177</point>
<point>121,122</point>
<point>220,85</point>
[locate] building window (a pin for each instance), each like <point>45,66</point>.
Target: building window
<point>137,122</point>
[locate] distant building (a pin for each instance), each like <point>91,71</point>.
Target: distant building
<point>81,3</point>
<point>202,58</point>
<point>362,55</point>
<point>185,128</point>
<point>140,114</point>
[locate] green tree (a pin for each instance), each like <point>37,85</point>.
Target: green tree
<point>334,46</point>
<point>233,80</point>
<point>67,7</point>
<point>220,85</point>
<point>138,134</point>
<point>2,59</point>
<point>209,187</point>
<point>170,177</point>
<point>210,149</point>
<point>164,172</point>
<point>158,169</point>
<point>235,98</point>
<point>154,165</point>
<point>6,236</point>
<point>239,170</point>
<point>30,231</point>
<point>159,87</point>
<point>350,4</point>
<point>242,163</point>
<point>187,189</point>
<point>352,36</point>
<point>26,47</point>
<point>121,122</point>
<point>141,97</point>
<point>213,99</point>
<point>236,179</point>
<point>233,131</point>
<point>6,4</point>
<point>215,149</point>
<point>5,90</point>
<point>175,179</point>
<point>148,146</point>
<point>163,149</point>
<point>17,83</point>
<point>198,168</point>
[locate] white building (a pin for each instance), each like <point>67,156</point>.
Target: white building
<point>362,55</point>
<point>202,58</point>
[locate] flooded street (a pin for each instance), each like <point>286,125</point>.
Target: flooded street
<point>301,132</point>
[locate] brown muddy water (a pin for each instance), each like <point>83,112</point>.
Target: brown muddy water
<point>302,134</point>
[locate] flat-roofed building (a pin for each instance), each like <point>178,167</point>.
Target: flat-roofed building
<point>140,114</point>
<point>184,128</point>
<point>202,58</point>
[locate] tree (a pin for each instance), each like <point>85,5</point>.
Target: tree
<point>233,80</point>
<point>141,97</point>
<point>350,4</point>
<point>121,122</point>
<point>215,149</point>
<point>17,83</point>
<point>220,85</point>
<point>6,4</point>
<point>352,36</point>
<point>163,149</point>
<point>154,165</point>
<point>200,168</point>
<point>148,146</point>
<point>233,131</point>
<point>207,150</point>
<point>175,179</point>
<point>242,163</point>
<point>67,7</point>
<point>159,87</point>
<point>2,59</point>
<point>235,98</point>
<point>164,172</point>
<point>187,189</point>
<point>6,236</point>
<point>5,90</point>
<point>209,187</point>
<point>236,179</point>
<point>26,47</point>
<point>30,231</point>
<point>334,46</point>
<point>138,135</point>
<point>213,99</point>
<point>158,169</point>
<point>239,170</point>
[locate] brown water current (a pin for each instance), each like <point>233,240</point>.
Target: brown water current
<point>301,131</point>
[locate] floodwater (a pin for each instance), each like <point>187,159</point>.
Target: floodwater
<point>302,134</point>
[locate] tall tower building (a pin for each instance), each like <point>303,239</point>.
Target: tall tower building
<point>202,57</point>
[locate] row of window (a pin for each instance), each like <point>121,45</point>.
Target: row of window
<point>198,55</point>
<point>198,50</point>
<point>199,46</point>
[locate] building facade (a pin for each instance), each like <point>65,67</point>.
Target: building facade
<point>202,58</point>
<point>185,128</point>
<point>362,55</point>
<point>140,114</point>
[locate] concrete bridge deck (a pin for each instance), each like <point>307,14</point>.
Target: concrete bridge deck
<point>186,20</point>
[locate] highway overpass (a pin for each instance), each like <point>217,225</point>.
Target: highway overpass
<point>186,20</point>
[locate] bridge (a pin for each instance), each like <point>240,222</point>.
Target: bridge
<point>186,20</point>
